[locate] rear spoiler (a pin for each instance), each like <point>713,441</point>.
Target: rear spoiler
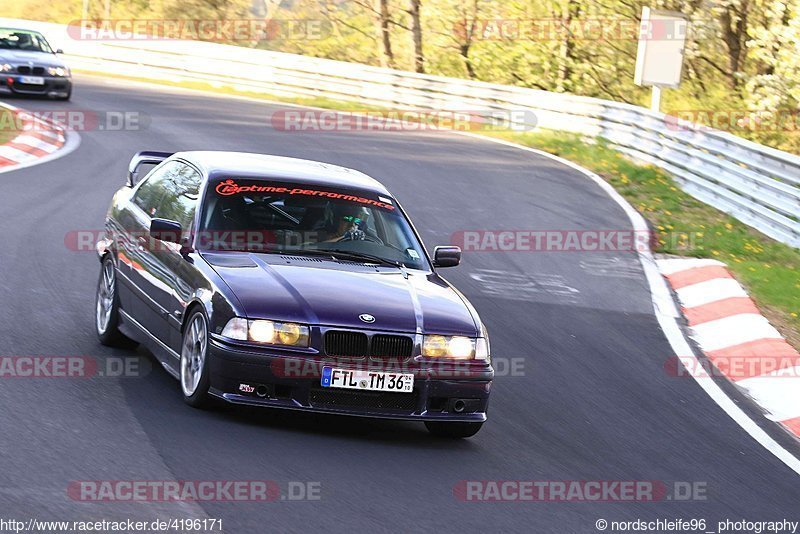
<point>145,157</point>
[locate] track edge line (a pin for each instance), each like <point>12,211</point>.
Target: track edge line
<point>666,311</point>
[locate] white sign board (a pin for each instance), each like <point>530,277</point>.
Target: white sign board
<point>662,39</point>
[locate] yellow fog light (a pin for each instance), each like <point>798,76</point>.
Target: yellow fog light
<point>289,334</point>
<point>434,346</point>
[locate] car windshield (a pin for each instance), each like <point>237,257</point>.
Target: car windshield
<point>23,40</point>
<point>266,216</point>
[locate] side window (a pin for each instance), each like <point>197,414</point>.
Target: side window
<point>181,192</point>
<point>149,194</point>
<point>170,192</point>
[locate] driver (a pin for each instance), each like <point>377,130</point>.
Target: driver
<point>24,41</point>
<point>347,220</point>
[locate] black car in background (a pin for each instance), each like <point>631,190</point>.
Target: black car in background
<point>29,66</point>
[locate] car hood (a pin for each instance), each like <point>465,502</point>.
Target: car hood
<point>38,58</point>
<point>323,292</point>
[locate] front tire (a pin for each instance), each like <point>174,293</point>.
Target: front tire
<point>194,362</point>
<point>455,430</point>
<point>107,309</point>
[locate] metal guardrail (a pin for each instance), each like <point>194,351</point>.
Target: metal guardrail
<point>758,185</point>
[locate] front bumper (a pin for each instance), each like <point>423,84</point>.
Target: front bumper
<point>53,86</point>
<point>441,393</point>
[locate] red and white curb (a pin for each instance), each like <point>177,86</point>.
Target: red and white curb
<point>740,342</point>
<point>38,141</point>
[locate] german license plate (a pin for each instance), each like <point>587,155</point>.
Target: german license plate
<point>31,80</point>
<point>367,380</point>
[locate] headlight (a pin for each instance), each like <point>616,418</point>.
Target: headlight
<point>58,71</point>
<point>5,67</point>
<point>267,332</point>
<point>455,347</point>
<point>262,332</point>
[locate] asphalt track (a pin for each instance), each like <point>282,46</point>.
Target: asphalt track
<point>592,400</point>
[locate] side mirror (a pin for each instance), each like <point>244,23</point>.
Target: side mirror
<point>448,256</point>
<point>145,157</point>
<point>166,230</point>
<point>59,51</point>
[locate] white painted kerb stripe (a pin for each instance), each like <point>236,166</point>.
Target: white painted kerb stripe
<point>733,330</point>
<point>53,134</point>
<point>784,373</point>
<point>15,154</point>
<point>780,396</point>
<point>709,291</point>
<point>672,266</point>
<point>35,142</point>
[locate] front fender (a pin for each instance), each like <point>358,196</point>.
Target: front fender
<point>218,307</point>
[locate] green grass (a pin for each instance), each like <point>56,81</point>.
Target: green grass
<point>684,226</point>
<point>8,126</point>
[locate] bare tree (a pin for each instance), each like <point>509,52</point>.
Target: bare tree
<point>385,21</point>
<point>381,13</point>
<point>468,24</point>
<point>566,53</point>
<point>734,33</point>
<point>416,31</point>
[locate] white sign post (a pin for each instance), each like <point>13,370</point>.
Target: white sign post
<point>659,59</point>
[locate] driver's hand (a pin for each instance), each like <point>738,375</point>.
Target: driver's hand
<point>354,235</point>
